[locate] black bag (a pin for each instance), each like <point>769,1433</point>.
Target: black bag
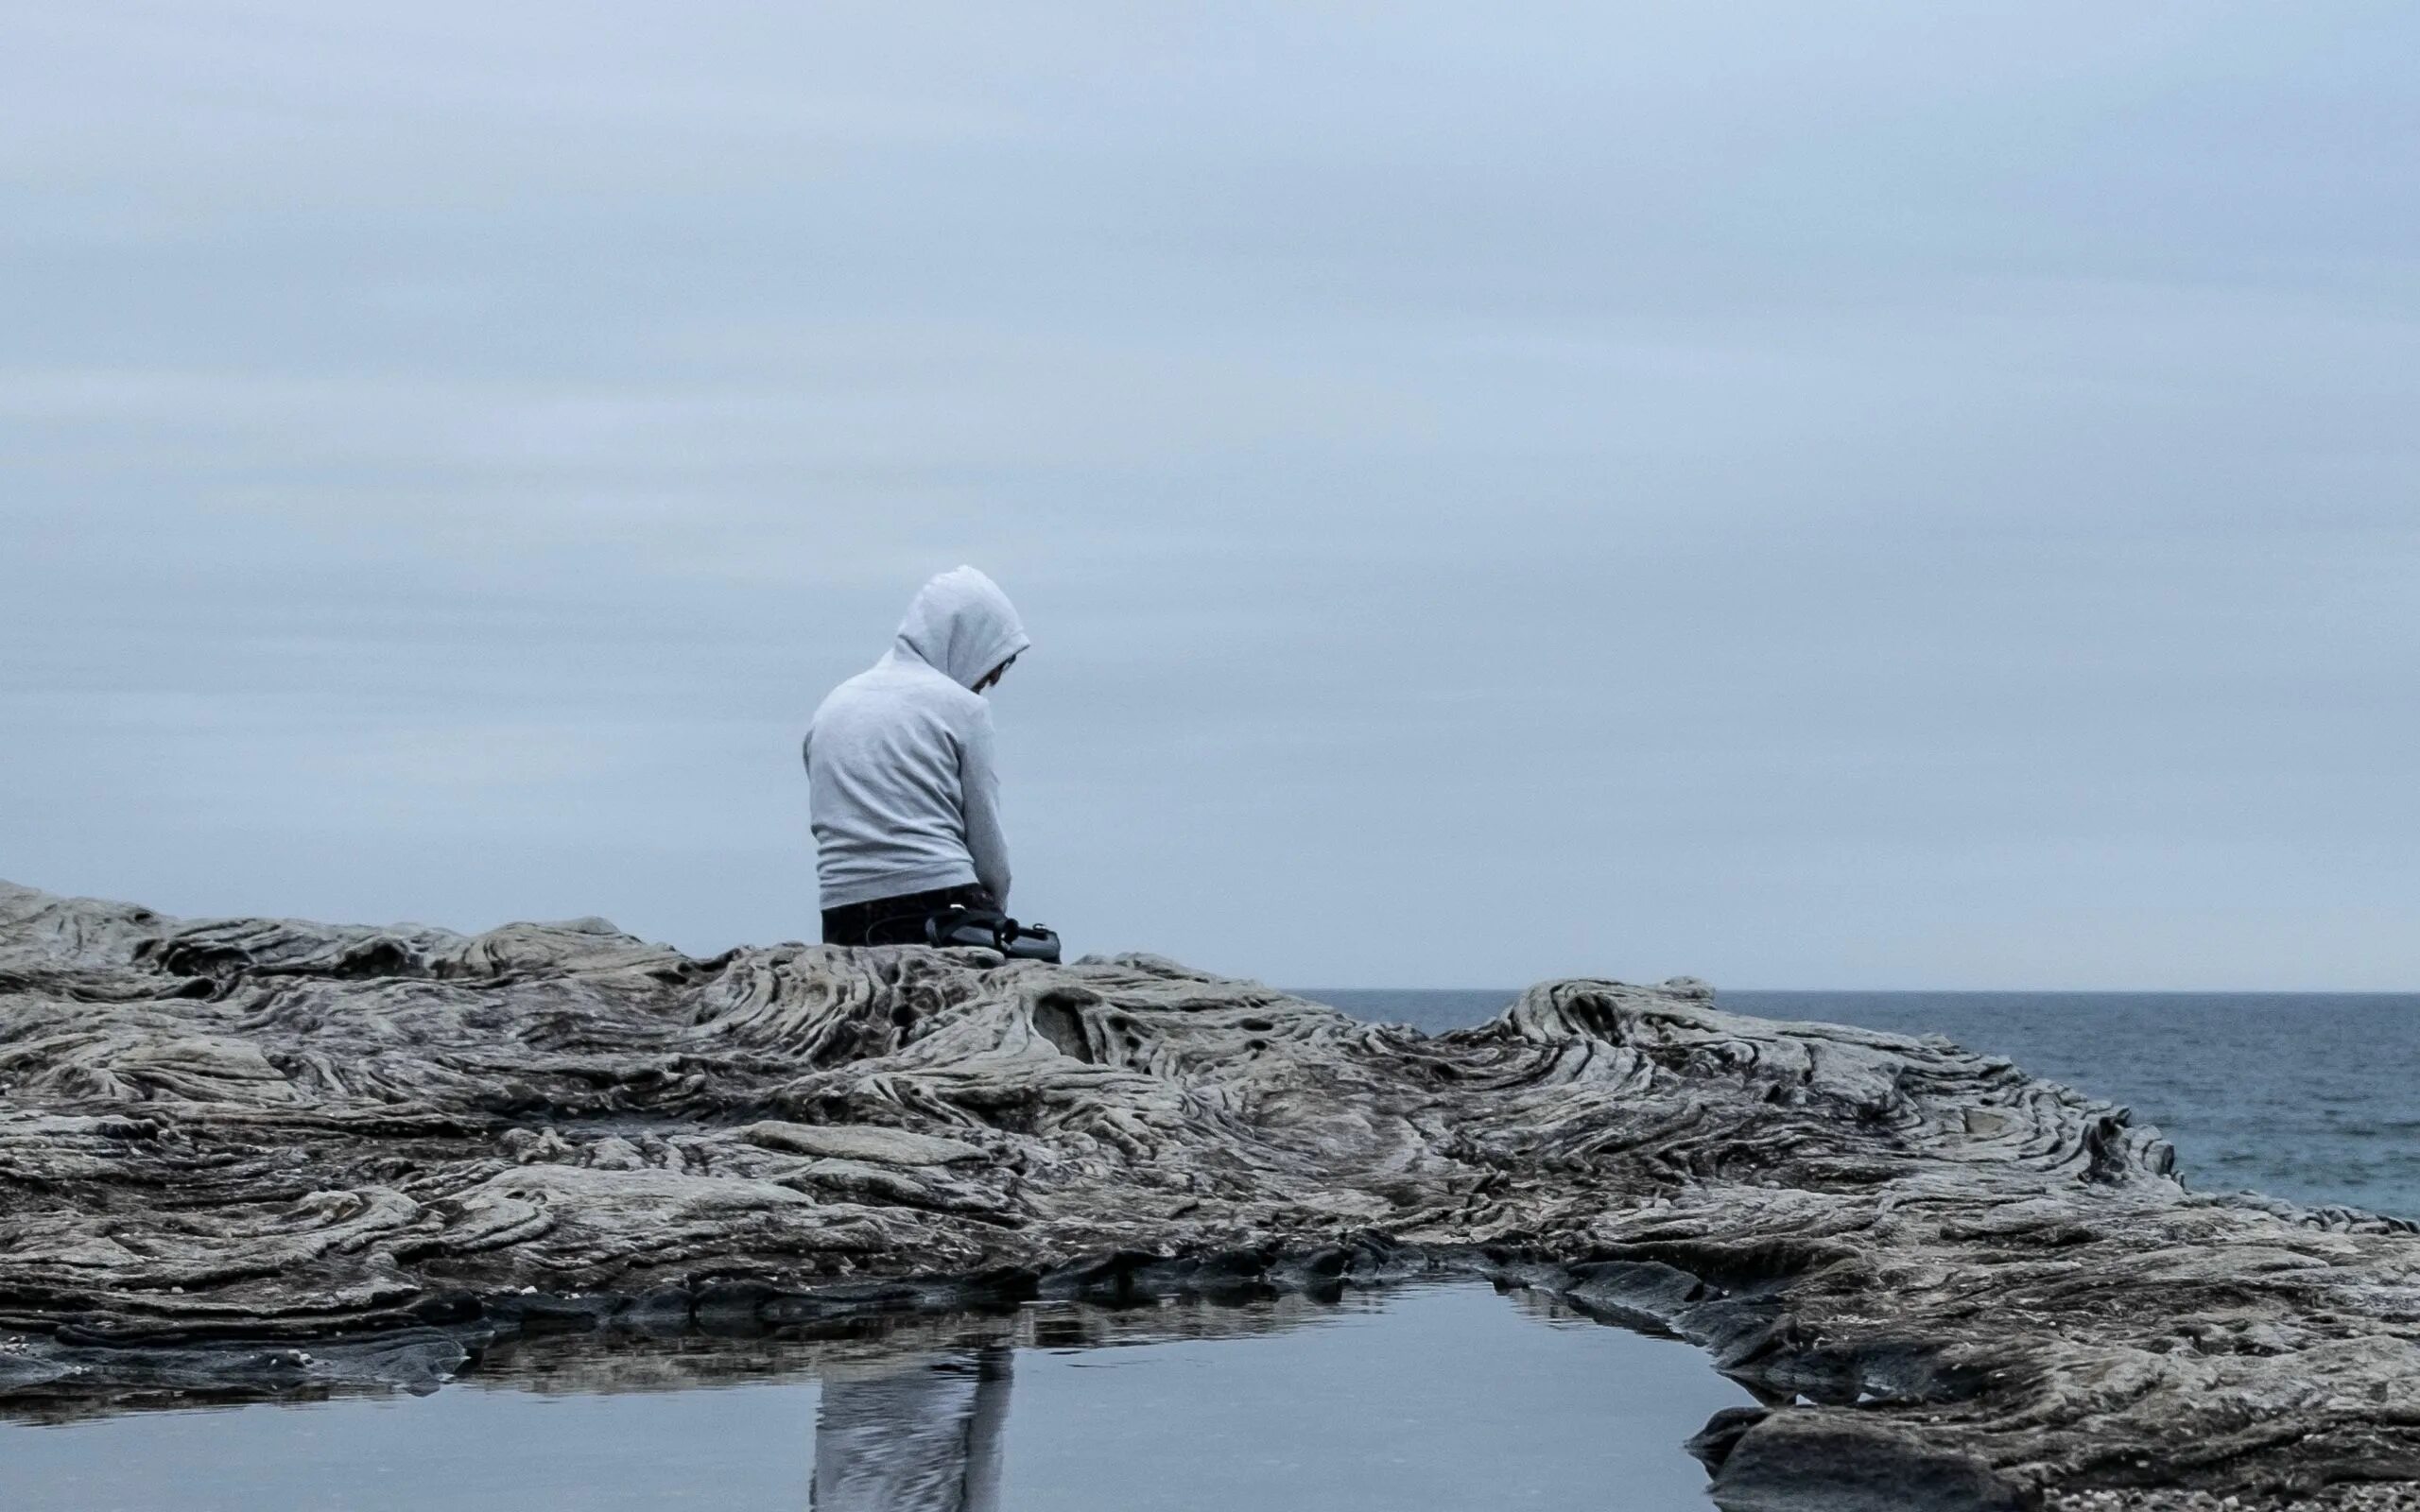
<point>960,925</point>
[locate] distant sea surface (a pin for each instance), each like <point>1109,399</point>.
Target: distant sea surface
<point>2305,1095</point>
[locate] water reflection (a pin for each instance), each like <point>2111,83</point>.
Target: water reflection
<point>1442,1396</point>
<point>876,1344</point>
<point>925,1437</point>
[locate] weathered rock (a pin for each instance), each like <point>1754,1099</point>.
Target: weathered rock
<point>860,1142</point>
<point>267,1155</point>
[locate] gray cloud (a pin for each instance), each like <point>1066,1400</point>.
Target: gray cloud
<point>1867,497</point>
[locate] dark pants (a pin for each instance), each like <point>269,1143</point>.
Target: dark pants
<point>897,920</point>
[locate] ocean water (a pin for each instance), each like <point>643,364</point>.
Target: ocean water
<point>1451,1398</point>
<point>2306,1095</point>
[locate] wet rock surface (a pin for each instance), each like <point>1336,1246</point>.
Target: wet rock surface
<point>254,1156</point>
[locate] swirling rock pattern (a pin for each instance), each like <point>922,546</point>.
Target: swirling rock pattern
<point>261,1155</point>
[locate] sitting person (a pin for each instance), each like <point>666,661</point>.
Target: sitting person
<point>900,788</point>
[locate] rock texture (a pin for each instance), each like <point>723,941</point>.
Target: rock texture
<point>261,1155</point>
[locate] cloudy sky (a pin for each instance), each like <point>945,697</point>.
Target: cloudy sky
<point>1851,495</point>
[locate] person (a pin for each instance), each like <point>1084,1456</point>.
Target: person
<point>901,791</point>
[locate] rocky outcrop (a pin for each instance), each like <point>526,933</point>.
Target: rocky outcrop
<point>263,1155</point>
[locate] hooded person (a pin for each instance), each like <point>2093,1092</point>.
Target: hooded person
<point>901,790</point>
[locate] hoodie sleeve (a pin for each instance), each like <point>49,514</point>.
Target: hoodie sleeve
<point>980,786</point>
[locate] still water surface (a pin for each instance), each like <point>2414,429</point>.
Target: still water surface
<point>1442,1396</point>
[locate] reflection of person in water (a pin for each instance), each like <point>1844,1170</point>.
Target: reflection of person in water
<point>924,1436</point>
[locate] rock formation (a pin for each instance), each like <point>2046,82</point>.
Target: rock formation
<point>255,1156</point>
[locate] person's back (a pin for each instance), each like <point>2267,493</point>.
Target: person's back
<point>902,789</point>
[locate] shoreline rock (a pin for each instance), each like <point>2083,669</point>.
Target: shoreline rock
<point>272,1155</point>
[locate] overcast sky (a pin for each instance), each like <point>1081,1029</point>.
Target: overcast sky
<point>1806,495</point>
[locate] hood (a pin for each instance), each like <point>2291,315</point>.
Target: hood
<point>962,625</point>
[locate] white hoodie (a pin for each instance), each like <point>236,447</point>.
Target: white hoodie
<point>900,788</point>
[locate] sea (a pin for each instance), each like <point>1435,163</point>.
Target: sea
<point>2310,1096</point>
